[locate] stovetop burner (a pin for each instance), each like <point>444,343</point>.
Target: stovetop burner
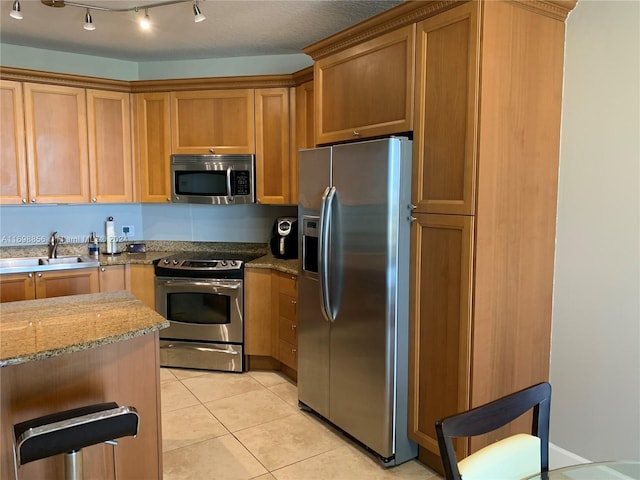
<point>204,264</point>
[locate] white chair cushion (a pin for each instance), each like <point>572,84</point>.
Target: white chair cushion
<point>512,458</point>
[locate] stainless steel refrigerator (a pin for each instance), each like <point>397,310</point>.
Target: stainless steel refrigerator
<point>353,291</point>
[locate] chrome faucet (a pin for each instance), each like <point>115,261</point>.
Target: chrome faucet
<point>54,241</point>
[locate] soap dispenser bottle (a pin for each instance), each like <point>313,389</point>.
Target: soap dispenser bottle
<point>94,251</point>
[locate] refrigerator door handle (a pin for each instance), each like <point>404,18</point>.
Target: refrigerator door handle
<point>323,247</point>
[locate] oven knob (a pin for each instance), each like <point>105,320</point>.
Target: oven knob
<point>223,263</point>
<point>175,262</point>
<point>166,261</point>
<point>234,263</point>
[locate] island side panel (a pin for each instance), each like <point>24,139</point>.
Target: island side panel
<point>126,372</point>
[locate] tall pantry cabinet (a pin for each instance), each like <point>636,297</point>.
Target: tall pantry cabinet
<point>486,149</point>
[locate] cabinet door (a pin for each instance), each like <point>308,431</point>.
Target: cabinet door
<point>17,286</point>
<point>258,323</point>
<point>113,278</point>
<point>440,324</point>
<point>446,104</point>
<point>13,168</point>
<point>366,90</point>
<point>61,283</point>
<point>272,146</point>
<point>303,130</point>
<point>56,132</point>
<point>109,134</point>
<point>153,147</point>
<point>143,284</point>
<point>212,121</point>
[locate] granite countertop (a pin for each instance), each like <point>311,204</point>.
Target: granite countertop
<point>38,329</point>
<point>269,261</point>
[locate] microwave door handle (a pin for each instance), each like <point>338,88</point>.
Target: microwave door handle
<point>229,192</point>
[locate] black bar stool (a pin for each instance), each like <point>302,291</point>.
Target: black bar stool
<point>69,431</point>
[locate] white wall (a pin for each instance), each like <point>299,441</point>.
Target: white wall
<point>595,354</point>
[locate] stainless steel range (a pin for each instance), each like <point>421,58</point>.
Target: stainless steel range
<point>201,294</point>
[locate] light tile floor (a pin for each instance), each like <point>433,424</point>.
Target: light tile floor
<point>224,426</point>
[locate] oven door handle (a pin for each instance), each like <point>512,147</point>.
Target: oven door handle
<point>173,283</point>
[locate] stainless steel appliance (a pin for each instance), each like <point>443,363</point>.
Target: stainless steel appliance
<point>284,238</point>
<point>353,289</point>
<point>213,179</point>
<point>201,294</point>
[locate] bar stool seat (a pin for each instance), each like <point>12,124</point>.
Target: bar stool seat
<point>71,430</point>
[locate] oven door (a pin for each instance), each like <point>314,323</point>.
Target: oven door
<point>201,309</point>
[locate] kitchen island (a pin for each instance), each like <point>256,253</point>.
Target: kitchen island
<point>66,352</point>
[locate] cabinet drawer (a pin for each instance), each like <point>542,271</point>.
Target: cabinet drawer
<point>289,354</point>
<point>288,331</point>
<point>288,284</point>
<point>287,307</point>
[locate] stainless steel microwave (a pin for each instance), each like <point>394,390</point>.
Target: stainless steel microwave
<point>213,179</point>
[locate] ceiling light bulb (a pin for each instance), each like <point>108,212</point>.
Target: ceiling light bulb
<point>15,10</point>
<point>88,22</point>
<point>199,17</point>
<point>145,23</point>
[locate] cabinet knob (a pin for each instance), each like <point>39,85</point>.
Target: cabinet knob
<point>412,207</point>
<point>24,200</point>
<point>30,275</point>
<point>356,133</point>
<point>33,200</point>
<point>293,302</point>
<point>102,269</point>
<point>211,150</point>
<point>293,327</point>
<point>39,275</point>
<point>94,199</point>
<point>168,199</point>
<point>411,219</point>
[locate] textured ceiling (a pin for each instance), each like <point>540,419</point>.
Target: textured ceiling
<point>232,28</point>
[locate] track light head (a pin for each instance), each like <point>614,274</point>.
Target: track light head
<point>88,21</point>
<point>16,11</point>
<point>198,16</point>
<point>145,22</point>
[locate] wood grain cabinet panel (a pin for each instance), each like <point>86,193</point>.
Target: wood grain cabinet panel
<point>15,287</point>
<point>446,105</point>
<point>366,90</point>
<point>485,190</point>
<point>212,121</point>
<point>114,278</point>
<point>13,167</point>
<point>152,121</point>
<point>58,283</point>
<point>303,129</point>
<point>56,133</point>
<point>142,283</point>
<point>258,324</point>
<point>273,175</point>
<point>109,138</point>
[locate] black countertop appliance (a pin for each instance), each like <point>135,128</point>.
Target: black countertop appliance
<point>284,238</point>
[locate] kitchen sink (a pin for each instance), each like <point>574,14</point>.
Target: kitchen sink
<point>43,264</point>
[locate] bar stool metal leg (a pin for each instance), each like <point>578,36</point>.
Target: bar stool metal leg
<point>73,465</point>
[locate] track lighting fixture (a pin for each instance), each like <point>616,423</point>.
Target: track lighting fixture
<point>15,10</point>
<point>198,16</point>
<point>145,22</point>
<point>88,22</point>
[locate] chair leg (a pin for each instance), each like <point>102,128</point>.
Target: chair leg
<point>73,465</point>
<point>114,443</point>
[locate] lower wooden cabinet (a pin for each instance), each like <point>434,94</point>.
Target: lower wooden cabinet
<point>271,313</point>
<point>143,283</point>
<point>114,278</point>
<point>28,286</point>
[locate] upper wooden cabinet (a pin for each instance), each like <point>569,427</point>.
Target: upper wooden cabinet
<point>152,121</point>
<point>13,167</point>
<point>302,128</point>
<point>366,90</point>
<point>56,133</point>
<point>446,104</point>
<point>272,146</point>
<point>109,135</point>
<point>212,122</point>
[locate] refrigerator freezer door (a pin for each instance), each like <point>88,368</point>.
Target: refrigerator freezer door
<point>313,330</point>
<point>363,291</point>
